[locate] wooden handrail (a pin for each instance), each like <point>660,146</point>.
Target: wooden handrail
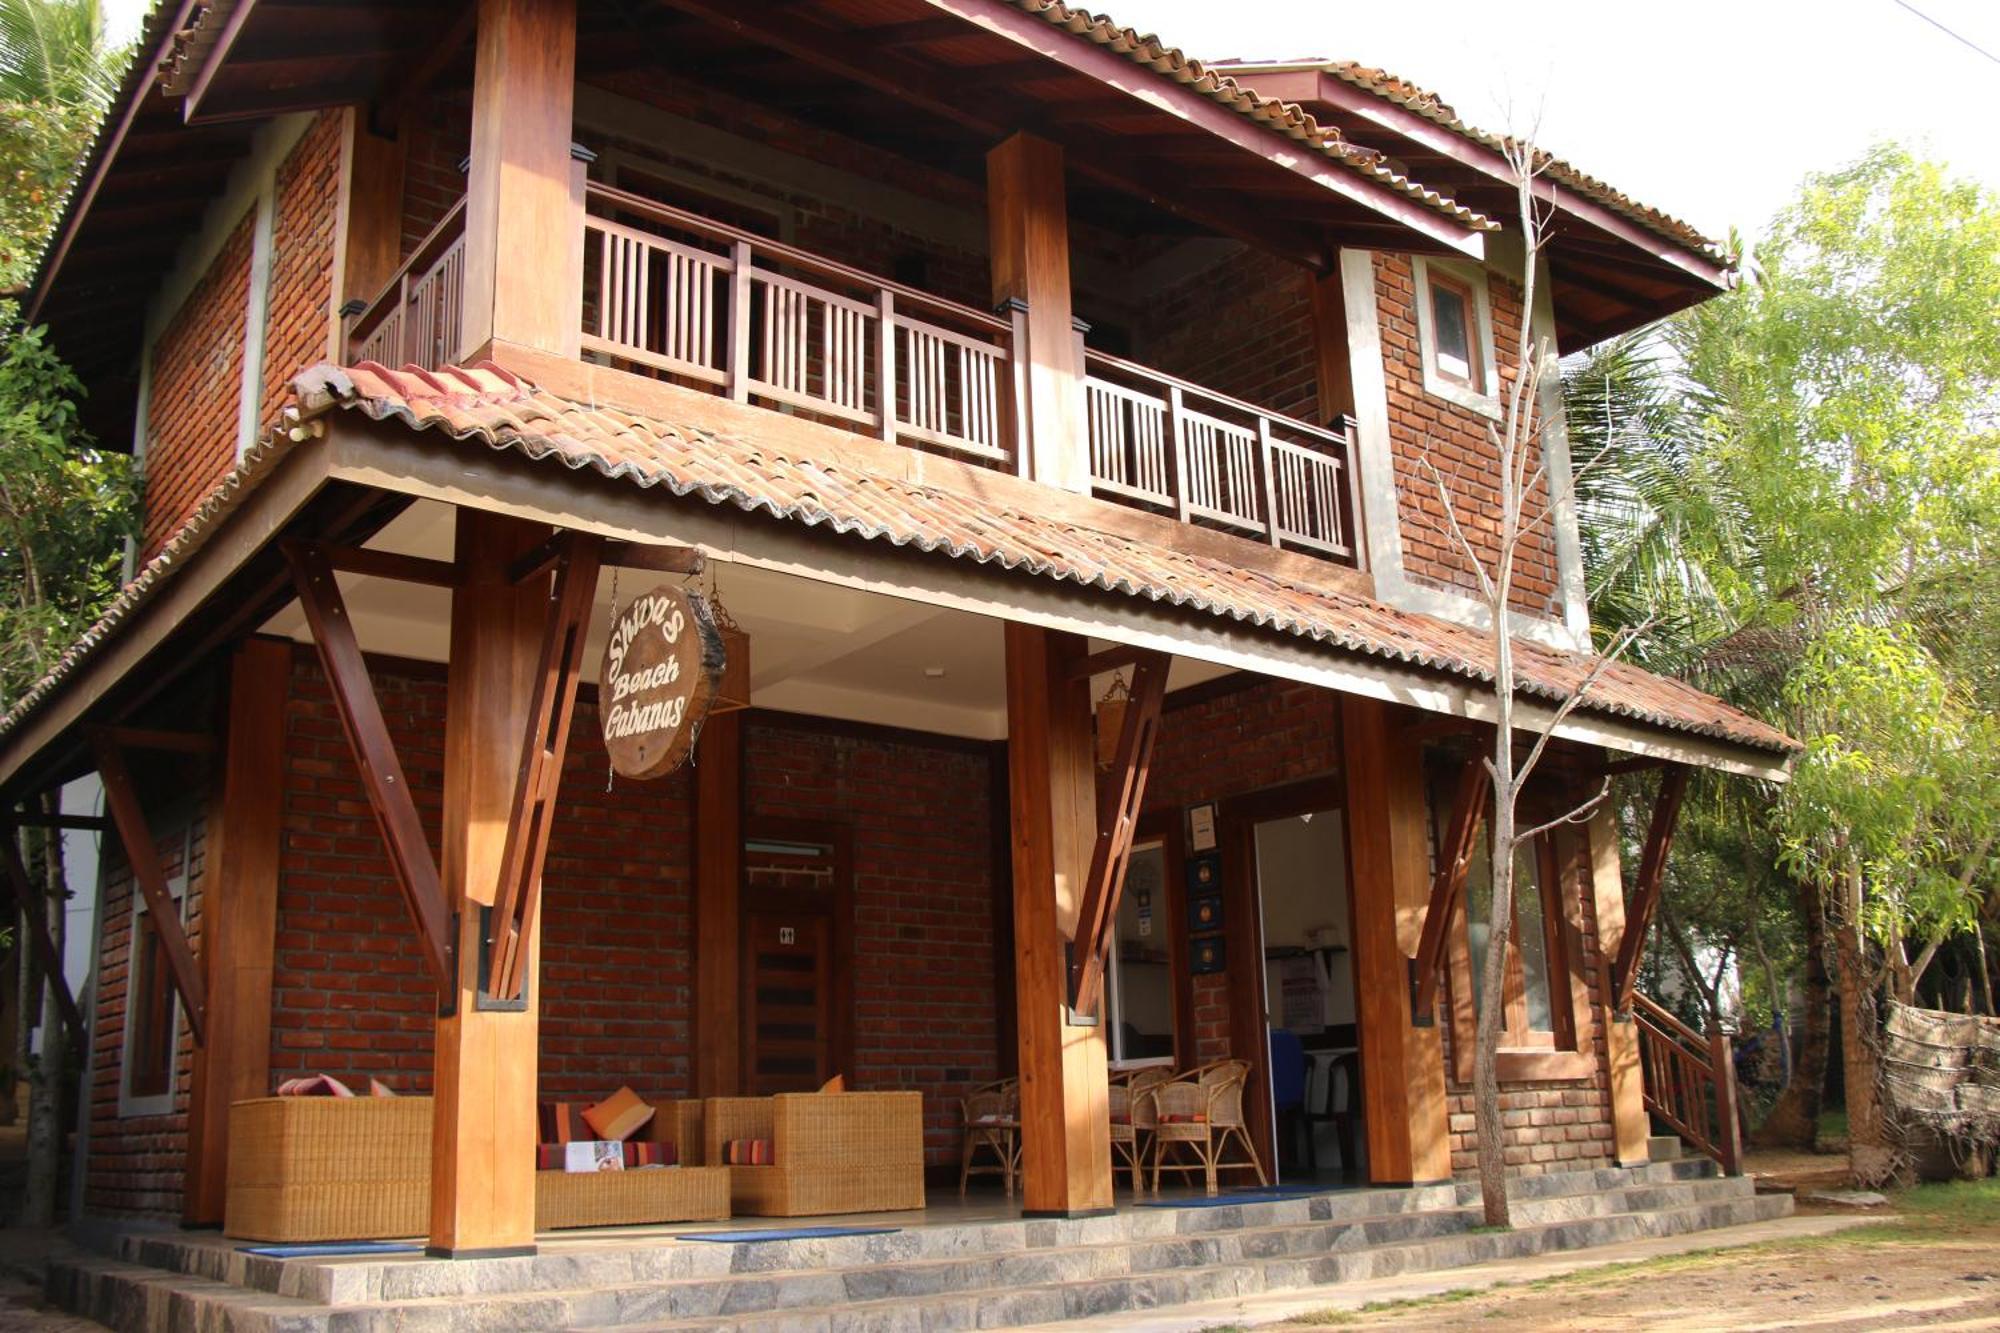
<point>436,241</point>
<point>791,254</point>
<point>1190,389</point>
<point>1690,1082</point>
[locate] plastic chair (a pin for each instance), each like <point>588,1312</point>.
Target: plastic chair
<point>1288,1085</point>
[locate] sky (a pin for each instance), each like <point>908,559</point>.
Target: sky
<point>1714,110</point>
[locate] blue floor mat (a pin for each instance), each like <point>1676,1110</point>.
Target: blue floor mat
<point>1236,1197</point>
<point>330,1249</point>
<point>784,1233</point>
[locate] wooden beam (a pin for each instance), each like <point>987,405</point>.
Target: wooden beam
<point>391,565</point>
<point>1368,108</point>
<point>1652,876</point>
<point>1145,87</point>
<point>419,74</point>
<point>685,560</point>
<point>1123,792</point>
<point>521,218</point>
<point>34,920</point>
<point>539,776</point>
<point>1028,230</point>
<point>218,55</point>
<point>368,223</point>
<point>1454,857</point>
<point>382,775</point>
<point>1388,857</point>
<point>718,882</point>
<point>239,917</point>
<point>36,819</point>
<point>121,798</point>
<point>483,1107</point>
<point>1332,364</point>
<point>1630,1127</point>
<point>1115,658</point>
<point>1065,1106</point>
<point>149,738</point>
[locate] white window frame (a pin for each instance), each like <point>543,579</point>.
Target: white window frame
<point>158,1103</point>
<point>1473,278</point>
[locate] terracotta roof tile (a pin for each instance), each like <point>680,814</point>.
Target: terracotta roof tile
<point>488,406</point>
<point>1287,118</point>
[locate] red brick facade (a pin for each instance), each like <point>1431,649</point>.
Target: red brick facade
<point>192,412</point>
<point>1242,327</point>
<point>1457,442</point>
<point>300,293</point>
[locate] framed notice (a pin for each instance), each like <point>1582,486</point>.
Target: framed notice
<point>1205,956</point>
<point>1204,913</point>
<point>1201,828</point>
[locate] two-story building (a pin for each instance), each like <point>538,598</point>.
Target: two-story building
<point>980,354</point>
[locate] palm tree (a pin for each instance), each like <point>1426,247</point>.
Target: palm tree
<point>54,52</point>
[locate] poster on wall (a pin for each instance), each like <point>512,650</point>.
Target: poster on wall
<point>1205,955</point>
<point>1302,990</point>
<point>1204,913</point>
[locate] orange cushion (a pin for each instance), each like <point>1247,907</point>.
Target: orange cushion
<point>1196,1119</point>
<point>619,1116</point>
<point>838,1083</point>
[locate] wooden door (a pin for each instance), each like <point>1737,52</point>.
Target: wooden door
<point>788,1021</point>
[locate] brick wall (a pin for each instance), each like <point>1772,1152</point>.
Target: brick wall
<point>300,293</point>
<point>1457,443</point>
<point>1555,1125</point>
<point>1242,327</point>
<point>197,384</point>
<point>438,140</point>
<point>916,813</point>
<point>136,1162</point>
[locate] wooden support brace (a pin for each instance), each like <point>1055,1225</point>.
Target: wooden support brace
<point>375,755</point>
<point>35,922</point>
<point>1122,794</point>
<point>1646,893</point>
<point>146,738</point>
<point>519,894</point>
<point>121,798</point>
<point>392,565</point>
<point>1454,858</point>
<point>1111,659</point>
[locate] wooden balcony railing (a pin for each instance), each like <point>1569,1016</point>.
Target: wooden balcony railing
<point>415,321</point>
<point>666,292</point>
<point>1690,1082</point>
<point>1164,443</point>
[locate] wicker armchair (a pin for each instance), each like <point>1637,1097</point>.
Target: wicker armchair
<point>831,1152</point>
<point>993,1123</point>
<point>1134,1115</point>
<point>1202,1110</point>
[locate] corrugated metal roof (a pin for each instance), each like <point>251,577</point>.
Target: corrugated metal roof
<point>489,406</point>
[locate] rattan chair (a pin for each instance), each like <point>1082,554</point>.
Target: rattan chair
<point>992,1123</point>
<point>1202,1111</point>
<point>1133,1118</point>
<point>831,1152</point>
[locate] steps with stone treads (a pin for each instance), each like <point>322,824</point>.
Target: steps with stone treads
<point>990,1274</point>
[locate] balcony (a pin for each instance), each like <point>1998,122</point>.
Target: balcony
<point>670,294</point>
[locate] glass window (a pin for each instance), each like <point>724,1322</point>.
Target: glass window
<point>1139,988</point>
<point>150,1061</point>
<point>1451,333</point>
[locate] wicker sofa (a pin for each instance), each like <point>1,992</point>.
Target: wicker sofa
<point>305,1169</point>
<point>831,1152</point>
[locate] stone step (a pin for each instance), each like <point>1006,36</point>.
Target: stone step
<point>757,1281</point>
<point>1666,1147</point>
<point>1079,1300</point>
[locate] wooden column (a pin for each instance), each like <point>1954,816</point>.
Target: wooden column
<point>1402,1074</point>
<point>718,882</point>
<point>1335,372</point>
<point>369,241</point>
<point>239,917</point>
<point>1027,218</point>
<point>1052,794</point>
<point>520,214</point>
<point>1621,1034</point>
<point>483,1133</point>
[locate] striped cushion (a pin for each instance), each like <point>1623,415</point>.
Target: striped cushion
<point>747,1152</point>
<point>618,1117</point>
<point>548,1157</point>
<point>639,1153</point>
<point>1196,1119</point>
<point>562,1122</point>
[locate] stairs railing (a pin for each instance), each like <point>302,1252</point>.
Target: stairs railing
<point>1690,1082</point>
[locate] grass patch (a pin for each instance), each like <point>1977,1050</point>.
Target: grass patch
<point>1832,1125</point>
<point>1486,1229</point>
<point>1227,1328</point>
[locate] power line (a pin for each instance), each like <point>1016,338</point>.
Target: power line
<point>1956,37</point>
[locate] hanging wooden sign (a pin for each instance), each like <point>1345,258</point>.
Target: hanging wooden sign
<point>660,673</point>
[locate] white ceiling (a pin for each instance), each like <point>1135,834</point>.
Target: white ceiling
<point>814,648</point>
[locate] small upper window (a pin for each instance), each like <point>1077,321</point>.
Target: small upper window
<point>1455,333</point>
<point>1452,324</point>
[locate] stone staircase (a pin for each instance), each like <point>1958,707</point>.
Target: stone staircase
<point>933,1276</point>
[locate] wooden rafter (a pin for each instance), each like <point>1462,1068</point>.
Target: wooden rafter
<point>35,921</point>
<point>1121,794</point>
<point>375,755</point>
<point>121,798</point>
<point>519,895</point>
<point>1454,859</point>
<point>1646,892</point>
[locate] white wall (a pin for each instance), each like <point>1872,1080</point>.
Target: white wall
<point>1302,878</point>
